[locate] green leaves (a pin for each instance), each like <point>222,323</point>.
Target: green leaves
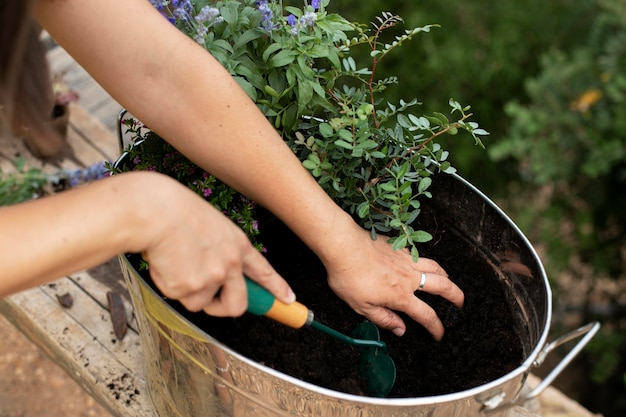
<point>22,185</point>
<point>374,158</point>
<point>380,171</point>
<point>282,58</point>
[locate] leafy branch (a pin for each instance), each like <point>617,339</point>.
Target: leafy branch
<point>376,162</point>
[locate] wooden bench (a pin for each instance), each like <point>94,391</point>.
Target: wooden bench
<point>81,338</point>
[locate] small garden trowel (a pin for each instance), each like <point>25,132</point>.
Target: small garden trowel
<point>375,366</point>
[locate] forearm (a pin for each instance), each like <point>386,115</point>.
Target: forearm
<point>45,239</point>
<point>194,250</point>
<point>182,93</point>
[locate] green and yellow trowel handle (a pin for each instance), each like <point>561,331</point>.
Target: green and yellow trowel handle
<point>262,303</point>
<point>295,315</point>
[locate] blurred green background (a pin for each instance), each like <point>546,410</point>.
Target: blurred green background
<point>547,79</point>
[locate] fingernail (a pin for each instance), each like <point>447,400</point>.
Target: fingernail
<point>291,296</point>
<point>398,331</point>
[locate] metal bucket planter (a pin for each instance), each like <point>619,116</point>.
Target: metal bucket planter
<point>192,374</point>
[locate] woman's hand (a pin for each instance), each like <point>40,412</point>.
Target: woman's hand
<point>376,280</point>
<point>195,252</point>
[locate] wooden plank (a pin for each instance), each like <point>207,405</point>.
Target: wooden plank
<point>83,154</point>
<point>11,149</point>
<point>93,132</point>
<point>80,339</point>
<point>91,94</point>
<point>89,140</point>
<point>98,288</point>
<point>76,342</point>
<point>107,112</point>
<point>97,320</point>
<point>553,403</point>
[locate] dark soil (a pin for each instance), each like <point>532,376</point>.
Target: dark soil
<point>480,345</point>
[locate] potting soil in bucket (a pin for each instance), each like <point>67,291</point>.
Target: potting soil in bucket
<point>481,341</point>
<point>484,340</point>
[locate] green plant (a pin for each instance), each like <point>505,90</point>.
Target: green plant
<point>476,57</point>
<point>151,153</point>
<point>570,135</point>
<point>568,144</point>
<point>372,156</point>
<point>25,183</point>
<point>22,185</point>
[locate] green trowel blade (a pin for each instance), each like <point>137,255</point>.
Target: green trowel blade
<point>375,365</point>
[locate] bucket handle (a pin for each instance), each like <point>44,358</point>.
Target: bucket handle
<point>588,331</point>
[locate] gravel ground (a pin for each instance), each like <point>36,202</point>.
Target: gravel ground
<point>31,385</point>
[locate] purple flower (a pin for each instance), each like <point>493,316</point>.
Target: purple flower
<point>267,15</point>
<point>160,5</point>
<point>76,177</point>
<point>95,172</point>
<point>291,20</point>
<point>182,9</point>
<point>207,15</point>
<point>315,4</point>
<point>308,19</point>
<point>201,32</point>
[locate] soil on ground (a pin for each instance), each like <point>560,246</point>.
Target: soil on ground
<point>31,385</point>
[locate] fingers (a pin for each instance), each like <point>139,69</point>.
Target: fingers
<point>430,266</point>
<point>217,287</point>
<point>386,319</point>
<point>413,307</point>
<point>416,309</point>
<point>437,283</point>
<point>202,261</point>
<point>215,291</point>
<point>232,300</point>
<point>257,268</point>
<point>441,285</point>
<point>426,316</point>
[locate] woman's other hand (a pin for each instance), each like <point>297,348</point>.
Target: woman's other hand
<point>377,281</point>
